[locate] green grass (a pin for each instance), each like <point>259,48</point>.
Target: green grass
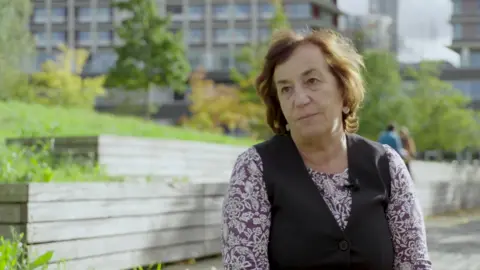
<point>20,119</point>
<point>31,164</point>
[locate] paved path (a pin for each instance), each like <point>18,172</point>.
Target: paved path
<point>454,244</point>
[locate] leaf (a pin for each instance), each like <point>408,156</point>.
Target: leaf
<point>41,260</point>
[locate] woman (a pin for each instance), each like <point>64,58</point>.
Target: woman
<point>409,146</point>
<point>316,196</point>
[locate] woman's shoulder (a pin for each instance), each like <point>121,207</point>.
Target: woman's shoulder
<point>249,159</point>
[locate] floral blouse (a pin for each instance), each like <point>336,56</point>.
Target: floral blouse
<point>246,214</point>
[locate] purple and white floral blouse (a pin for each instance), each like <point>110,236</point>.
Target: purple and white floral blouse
<point>246,214</point>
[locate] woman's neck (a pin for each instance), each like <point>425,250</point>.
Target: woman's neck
<point>326,152</point>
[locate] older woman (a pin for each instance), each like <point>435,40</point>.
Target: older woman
<point>317,196</point>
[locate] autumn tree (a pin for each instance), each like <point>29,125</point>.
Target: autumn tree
<point>214,107</point>
<point>16,49</point>
<point>60,82</point>
<point>441,117</point>
<point>151,55</point>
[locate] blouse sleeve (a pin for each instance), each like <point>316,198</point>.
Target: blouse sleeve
<point>246,216</point>
<point>406,219</point>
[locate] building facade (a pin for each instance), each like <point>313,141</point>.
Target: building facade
<point>465,22</point>
<point>388,8</point>
<point>214,30</point>
<point>374,29</point>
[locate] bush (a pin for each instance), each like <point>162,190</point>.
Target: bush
<point>14,255</point>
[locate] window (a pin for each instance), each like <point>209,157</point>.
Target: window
<point>84,14</point>
<point>101,62</point>
<point>195,36</point>
<point>59,15</point>
<point>224,62</point>
<point>59,38</point>
<point>266,10</point>
<point>174,9</point>
<point>84,38</point>
<point>103,14</point>
<point>327,17</point>
<point>221,59</point>
<point>195,58</point>
<point>264,34</point>
<point>222,35</point>
<point>196,12</point>
<point>42,57</point>
<point>242,35</point>
<point>221,11</point>
<point>457,31</point>
<point>457,7</point>
<point>41,39</point>
<point>39,15</point>
<point>104,38</point>
<point>463,86</point>
<point>298,10</point>
<point>475,90</point>
<point>475,58</point>
<point>242,11</point>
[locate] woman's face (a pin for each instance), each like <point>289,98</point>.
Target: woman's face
<point>308,93</point>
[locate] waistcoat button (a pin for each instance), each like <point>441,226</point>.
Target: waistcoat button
<point>343,245</point>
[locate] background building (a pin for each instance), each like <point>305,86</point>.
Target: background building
<point>466,42</point>
<point>214,29</point>
<point>388,8</point>
<point>373,27</point>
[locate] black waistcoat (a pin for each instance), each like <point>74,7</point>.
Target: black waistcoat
<point>304,234</point>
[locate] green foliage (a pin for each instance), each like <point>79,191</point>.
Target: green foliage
<point>436,114</point>
<point>60,82</point>
<point>253,57</point>
<point>385,101</point>
<point>16,49</point>
<point>40,163</point>
<point>441,116</point>
<point>151,55</point>
<point>20,119</point>
<point>14,255</point>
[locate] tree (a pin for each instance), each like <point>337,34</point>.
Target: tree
<point>441,117</point>
<point>215,107</point>
<point>16,49</point>
<point>151,55</point>
<point>253,57</point>
<point>385,101</point>
<point>60,81</point>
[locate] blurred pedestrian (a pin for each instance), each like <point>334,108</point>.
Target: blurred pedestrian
<point>391,138</point>
<point>409,145</point>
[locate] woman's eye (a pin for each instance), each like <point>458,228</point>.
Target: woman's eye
<point>286,89</point>
<point>312,81</point>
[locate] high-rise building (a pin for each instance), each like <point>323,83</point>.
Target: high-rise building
<point>373,28</point>
<point>214,29</point>
<point>465,22</point>
<point>388,8</point>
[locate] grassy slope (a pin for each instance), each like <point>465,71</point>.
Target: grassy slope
<point>19,119</point>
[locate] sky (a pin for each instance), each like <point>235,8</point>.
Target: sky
<point>417,18</point>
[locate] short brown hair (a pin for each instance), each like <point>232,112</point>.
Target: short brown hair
<point>344,61</point>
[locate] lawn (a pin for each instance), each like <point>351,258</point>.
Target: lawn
<point>20,119</point>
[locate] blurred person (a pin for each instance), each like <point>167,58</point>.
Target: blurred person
<point>391,138</point>
<point>316,195</point>
<point>409,147</point>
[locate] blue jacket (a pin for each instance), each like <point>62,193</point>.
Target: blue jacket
<point>391,139</point>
